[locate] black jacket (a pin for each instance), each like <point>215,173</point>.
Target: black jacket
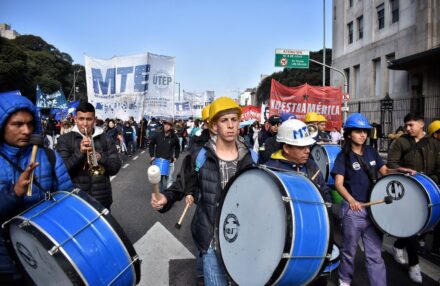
<point>165,147</point>
<point>98,187</point>
<point>205,186</point>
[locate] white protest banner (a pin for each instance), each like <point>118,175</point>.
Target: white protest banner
<point>117,87</point>
<point>160,99</point>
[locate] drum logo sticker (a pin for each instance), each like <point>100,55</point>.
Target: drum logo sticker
<point>317,155</point>
<point>231,227</point>
<point>395,189</point>
<point>26,255</point>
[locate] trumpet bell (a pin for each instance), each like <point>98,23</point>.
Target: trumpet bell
<point>97,170</point>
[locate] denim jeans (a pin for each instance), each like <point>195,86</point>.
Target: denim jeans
<point>213,270</point>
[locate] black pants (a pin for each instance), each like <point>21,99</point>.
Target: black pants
<point>412,245</point>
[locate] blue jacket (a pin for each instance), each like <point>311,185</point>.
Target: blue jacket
<point>10,203</point>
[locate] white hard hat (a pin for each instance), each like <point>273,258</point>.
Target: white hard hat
<point>294,132</point>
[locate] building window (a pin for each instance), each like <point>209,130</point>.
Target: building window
<point>391,75</point>
<point>394,11</point>
<point>347,75</point>
<point>357,81</point>
<point>380,16</point>
<point>360,24</point>
<point>350,32</point>
<point>350,3</point>
<point>377,77</point>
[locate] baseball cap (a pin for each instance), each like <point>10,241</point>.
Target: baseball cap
<point>286,116</point>
<point>274,119</point>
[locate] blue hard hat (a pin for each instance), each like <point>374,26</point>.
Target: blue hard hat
<point>357,120</point>
<point>286,116</point>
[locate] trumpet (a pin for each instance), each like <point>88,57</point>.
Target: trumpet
<point>313,130</point>
<point>94,168</point>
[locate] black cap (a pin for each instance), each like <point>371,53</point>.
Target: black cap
<point>274,119</point>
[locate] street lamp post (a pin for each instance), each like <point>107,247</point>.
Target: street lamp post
<point>75,76</point>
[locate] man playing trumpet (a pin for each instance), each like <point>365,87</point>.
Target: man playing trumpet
<point>89,157</point>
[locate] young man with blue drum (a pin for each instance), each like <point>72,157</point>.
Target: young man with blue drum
<point>421,152</point>
<point>355,172</point>
<point>19,120</point>
<point>225,154</point>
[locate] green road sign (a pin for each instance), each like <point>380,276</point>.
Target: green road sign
<point>291,59</point>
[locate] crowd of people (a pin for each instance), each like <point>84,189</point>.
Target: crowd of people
<point>82,151</point>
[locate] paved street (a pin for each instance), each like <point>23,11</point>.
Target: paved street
<point>168,253</point>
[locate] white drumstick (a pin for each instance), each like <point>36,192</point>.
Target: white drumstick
<point>154,178</point>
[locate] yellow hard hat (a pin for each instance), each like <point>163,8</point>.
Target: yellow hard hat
<point>222,104</point>
<point>321,118</point>
<point>205,113</point>
<point>311,117</point>
<point>433,127</point>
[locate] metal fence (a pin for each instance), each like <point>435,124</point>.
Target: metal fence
<point>428,106</point>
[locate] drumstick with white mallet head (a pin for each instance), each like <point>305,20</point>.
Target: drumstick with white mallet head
<point>35,140</point>
<point>154,177</point>
<point>387,200</point>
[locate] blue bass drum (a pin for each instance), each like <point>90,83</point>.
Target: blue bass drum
<point>70,239</point>
<point>273,228</point>
<point>415,207</point>
<point>325,155</point>
<point>164,166</point>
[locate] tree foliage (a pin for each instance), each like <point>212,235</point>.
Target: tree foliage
<point>296,77</point>
<point>28,60</point>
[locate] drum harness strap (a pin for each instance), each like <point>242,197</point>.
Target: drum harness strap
<point>50,156</point>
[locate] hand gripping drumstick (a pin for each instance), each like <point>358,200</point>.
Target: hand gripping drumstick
<point>179,223</point>
<point>35,140</point>
<point>154,178</point>
<point>387,200</point>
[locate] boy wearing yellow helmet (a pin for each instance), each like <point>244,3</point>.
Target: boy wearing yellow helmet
<point>225,155</point>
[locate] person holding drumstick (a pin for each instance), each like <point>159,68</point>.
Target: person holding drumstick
<point>19,120</point>
<point>421,152</point>
<point>355,172</point>
<point>225,155</point>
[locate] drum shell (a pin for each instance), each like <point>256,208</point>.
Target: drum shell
<point>307,228</point>
<point>95,255</point>
<point>164,166</point>
<point>417,211</point>
<point>325,155</point>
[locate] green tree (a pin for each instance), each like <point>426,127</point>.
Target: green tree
<point>296,77</point>
<point>28,60</point>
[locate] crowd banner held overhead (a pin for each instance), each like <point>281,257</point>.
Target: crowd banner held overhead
<point>183,110</point>
<point>159,100</point>
<point>49,101</point>
<point>131,86</point>
<point>251,112</point>
<point>306,98</point>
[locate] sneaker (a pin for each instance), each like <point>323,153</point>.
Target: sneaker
<point>415,274</point>
<point>342,283</point>
<point>422,243</point>
<point>398,255</point>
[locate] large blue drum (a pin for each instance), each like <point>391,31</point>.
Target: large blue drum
<point>164,166</point>
<point>273,228</point>
<point>415,206</point>
<point>325,155</point>
<point>70,239</point>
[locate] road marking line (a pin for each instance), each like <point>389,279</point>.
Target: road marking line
<point>125,166</point>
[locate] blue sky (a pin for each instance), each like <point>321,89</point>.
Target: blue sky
<point>223,46</point>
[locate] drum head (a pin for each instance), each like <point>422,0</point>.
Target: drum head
<point>408,213</point>
<point>36,260</point>
<point>252,228</point>
<point>319,155</point>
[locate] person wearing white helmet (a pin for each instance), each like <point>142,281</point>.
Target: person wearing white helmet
<point>295,141</point>
<point>294,153</point>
